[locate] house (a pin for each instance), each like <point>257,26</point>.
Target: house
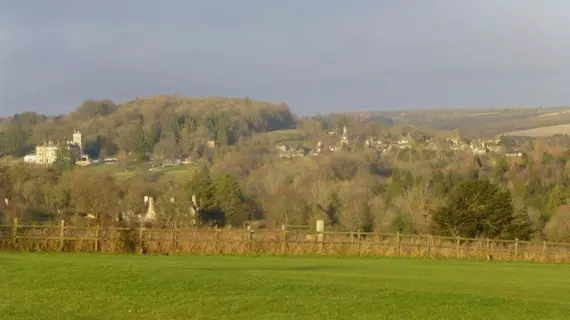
<point>46,153</point>
<point>495,148</point>
<point>283,148</point>
<point>83,160</point>
<point>31,158</point>
<point>514,154</point>
<point>323,147</point>
<point>478,150</point>
<point>371,143</point>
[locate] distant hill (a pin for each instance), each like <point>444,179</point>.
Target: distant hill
<point>174,124</point>
<point>479,122</point>
<point>541,131</point>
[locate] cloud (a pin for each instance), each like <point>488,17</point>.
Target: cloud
<point>318,55</point>
<point>5,36</point>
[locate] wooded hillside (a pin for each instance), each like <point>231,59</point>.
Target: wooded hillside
<point>171,125</point>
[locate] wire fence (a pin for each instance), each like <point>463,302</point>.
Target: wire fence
<point>289,241</point>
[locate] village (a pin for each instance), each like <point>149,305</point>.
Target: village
<point>384,146</point>
<point>46,153</point>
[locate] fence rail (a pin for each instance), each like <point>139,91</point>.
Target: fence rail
<point>18,237</point>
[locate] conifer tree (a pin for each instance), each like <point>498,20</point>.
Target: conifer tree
<point>478,208</point>
<point>229,199</point>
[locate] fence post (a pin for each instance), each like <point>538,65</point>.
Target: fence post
<point>174,245</point>
<point>359,243</point>
<point>544,253</point>
<point>398,243</point>
<point>457,243</point>
<point>61,234</point>
<point>516,248</point>
<point>176,240</point>
<point>249,238</point>
<point>14,233</point>
<point>97,238</point>
<point>429,244</point>
<point>216,236</point>
<point>141,230</point>
<point>283,239</point>
<point>320,228</point>
<point>249,233</point>
<point>488,248</point>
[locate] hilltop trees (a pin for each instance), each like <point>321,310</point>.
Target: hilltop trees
<point>175,125</point>
<point>16,141</point>
<point>94,108</point>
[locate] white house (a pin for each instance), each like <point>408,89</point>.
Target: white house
<point>31,158</point>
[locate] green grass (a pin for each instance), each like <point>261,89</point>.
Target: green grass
<point>182,171</point>
<point>83,286</point>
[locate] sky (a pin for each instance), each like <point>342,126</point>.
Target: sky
<point>316,55</point>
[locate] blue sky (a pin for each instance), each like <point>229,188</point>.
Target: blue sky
<point>317,55</point>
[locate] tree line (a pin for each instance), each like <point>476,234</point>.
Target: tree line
<point>165,126</point>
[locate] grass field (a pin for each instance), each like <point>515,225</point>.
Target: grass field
<point>182,171</point>
<point>542,131</point>
<point>83,286</point>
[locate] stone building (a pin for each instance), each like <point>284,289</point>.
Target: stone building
<point>46,153</point>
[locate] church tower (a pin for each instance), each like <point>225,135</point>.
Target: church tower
<point>77,139</point>
<point>344,138</point>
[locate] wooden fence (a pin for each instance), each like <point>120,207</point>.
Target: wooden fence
<point>140,240</point>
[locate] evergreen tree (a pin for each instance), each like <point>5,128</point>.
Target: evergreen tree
<point>202,187</point>
<point>139,145</point>
<point>229,199</point>
<point>153,136</point>
<point>556,198</point>
<point>223,131</point>
<point>478,208</point>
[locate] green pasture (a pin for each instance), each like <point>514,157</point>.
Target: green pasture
<point>181,171</point>
<point>97,286</point>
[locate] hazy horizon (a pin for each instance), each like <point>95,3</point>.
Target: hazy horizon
<point>318,56</point>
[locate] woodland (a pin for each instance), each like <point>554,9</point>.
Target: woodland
<point>242,178</point>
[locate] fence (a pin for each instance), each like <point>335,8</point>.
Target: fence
<point>17,237</point>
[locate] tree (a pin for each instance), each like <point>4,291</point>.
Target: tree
<point>229,199</point>
<point>90,109</point>
<point>16,140</point>
<point>222,131</point>
<point>558,226</point>
<point>202,187</point>
<point>138,143</point>
<point>65,159</point>
<point>90,193</point>
<point>478,208</point>
<point>556,198</point>
<point>167,148</point>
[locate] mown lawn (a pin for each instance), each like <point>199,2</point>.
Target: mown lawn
<point>83,286</point>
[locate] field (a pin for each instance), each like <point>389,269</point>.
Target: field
<point>84,286</point>
<point>181,171</point>
<point>482,122</point>
<point>542,131</point>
